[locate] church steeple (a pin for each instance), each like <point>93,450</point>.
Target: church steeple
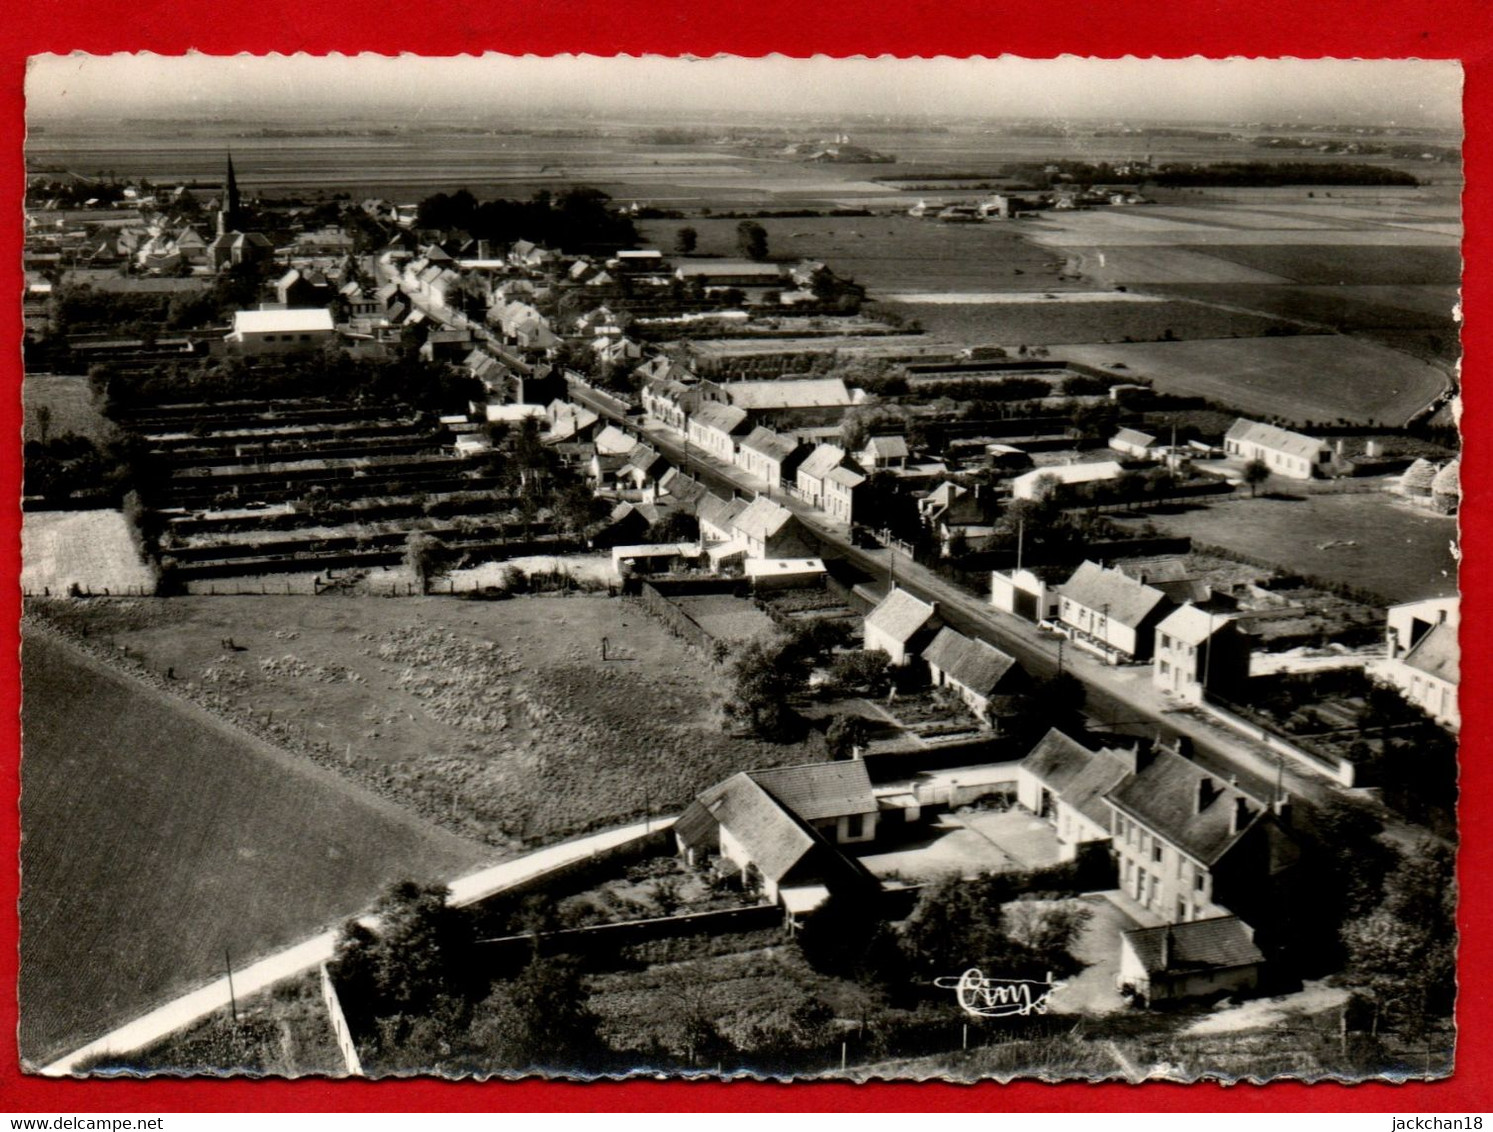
<point>230,215</point>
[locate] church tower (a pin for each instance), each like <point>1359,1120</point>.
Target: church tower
<point>230,215</point>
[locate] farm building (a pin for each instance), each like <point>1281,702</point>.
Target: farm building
<point>901,626</point>
<point>1031,485</point>
<point>1200,959</point>
<point>1285,453</point>
<point>1198,651</point>
<point>978,672</point>
<point>779,828</point>
<point>1135,444</point>
<point>280,332</point>
<point>1065,782</point>
<point>1110,614</point>
<point>1422,657</point>
<point>785,402</point>
<point>735,273</point>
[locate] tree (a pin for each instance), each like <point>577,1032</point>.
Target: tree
<point>845,733</point>
<point>1046,926</point>
<point>864,669</point>
<point>1256,472</point>
<point>540,1020</point>
<point>751,239</point>
<point>426,556</point>
<point>685,240</point>
<point>763,676</point>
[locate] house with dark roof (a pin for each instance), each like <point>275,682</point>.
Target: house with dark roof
<point>717,516</point>
<point>768,530</point>
<point>1422,658</point>
<point>714,427</point>
<point>1192,846</point>
<point>901,626</point>
<point>770,456</point>
<point>1285,453</point>
<point>1198,959</point>
<point>1111,614</point>
<point>978,672</point>
<point>779,829</point>
<point>1065,782</point>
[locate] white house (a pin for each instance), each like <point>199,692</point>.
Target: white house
<point>1423,658</point>
<point>1197,652</point>
<point>900,626</point>
<point>280,332</point>
<point>1026,593</point>
<point>1030,485</point>
<point>1199,959</point>
<point>1065,782</point>
<point>714,428</point>
<point>1285,453</point>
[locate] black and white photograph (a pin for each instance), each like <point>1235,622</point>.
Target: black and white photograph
<point>920,569</point>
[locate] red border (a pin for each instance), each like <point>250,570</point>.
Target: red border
<point>1447,29</point>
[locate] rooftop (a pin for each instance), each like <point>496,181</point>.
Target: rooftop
<point>1277,439</point>
<point>282,322</point>
<point>974,664</point>
<point>1122,599</point>
<point>1200,945</point>
<point>900,615</point>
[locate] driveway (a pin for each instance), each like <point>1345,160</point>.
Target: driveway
<point>947,848</point>
<point>1092,991</point>
<point>1021,836</point>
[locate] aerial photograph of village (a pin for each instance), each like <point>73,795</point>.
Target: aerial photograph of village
<point>898,569</point>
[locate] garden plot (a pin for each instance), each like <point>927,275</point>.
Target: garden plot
<point>92,550</point>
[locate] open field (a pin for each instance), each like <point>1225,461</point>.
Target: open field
<point>1370,541</point>
<point>1308,377</point>
<point>1329,264</point>
<point>498,719</point>
<point>156,838</point>
<point>891,253</point>
<point>69,407</point>
<point>92,550</point>
<point>1045,322</point>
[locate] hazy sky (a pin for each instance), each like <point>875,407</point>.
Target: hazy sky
<point>1405,91</point>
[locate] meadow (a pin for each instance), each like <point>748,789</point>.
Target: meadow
<point>1366,540</point>
<point>56,404</point>
<point>156,838</point>
<point>1308,377</point>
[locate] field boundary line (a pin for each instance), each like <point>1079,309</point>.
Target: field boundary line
<point>313,953</point>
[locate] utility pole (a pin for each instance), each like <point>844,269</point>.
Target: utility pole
<point>232,998</point>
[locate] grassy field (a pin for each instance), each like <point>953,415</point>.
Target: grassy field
<point>890,253</point>
<point>1051,323</point>
<point>68,405</point>
<point>1369,541</point>
<point>90,549</point>
<point>497,718</point>
<point>155,838</point>
<point>1309,377</point>
<point>1327,264</point>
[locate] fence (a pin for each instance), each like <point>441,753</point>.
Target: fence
<point>609,938</point>
<point>339,1025</point>
<point>674,619</point>
<point>1340,771</point>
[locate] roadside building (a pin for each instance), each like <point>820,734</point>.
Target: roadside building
<point>767,530</point>
<point>978,672</point>
<point>1199,652</point>
<point>1028,593</point>
<point>840,486</point>
<point>1423,657</point>
<point>812,473</point>
<point>769,456</point>
<point>1110,614</point>
<point>714,428</point>
<point>901,626</point>
<point>1064,782</point>
<point>1192,846</point>
<point>1199,959</point>
<point>1285,453</point>
<point>779,830</point>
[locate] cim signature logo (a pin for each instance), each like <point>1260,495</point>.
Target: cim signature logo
<point>999,998</point>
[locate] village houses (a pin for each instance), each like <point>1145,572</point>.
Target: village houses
<point>1285,453</point>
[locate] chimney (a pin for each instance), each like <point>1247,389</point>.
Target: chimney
<point>1207,791</point>
<point>1281,808</point>
<point>1238,815</point>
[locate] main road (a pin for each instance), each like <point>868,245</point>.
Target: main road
<point>1117,699</point>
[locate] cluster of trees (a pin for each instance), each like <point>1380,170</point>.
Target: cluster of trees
<point>1274,173</point>
<point>574,220</point>
<point>68,468</point>
<point>767,672</point>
